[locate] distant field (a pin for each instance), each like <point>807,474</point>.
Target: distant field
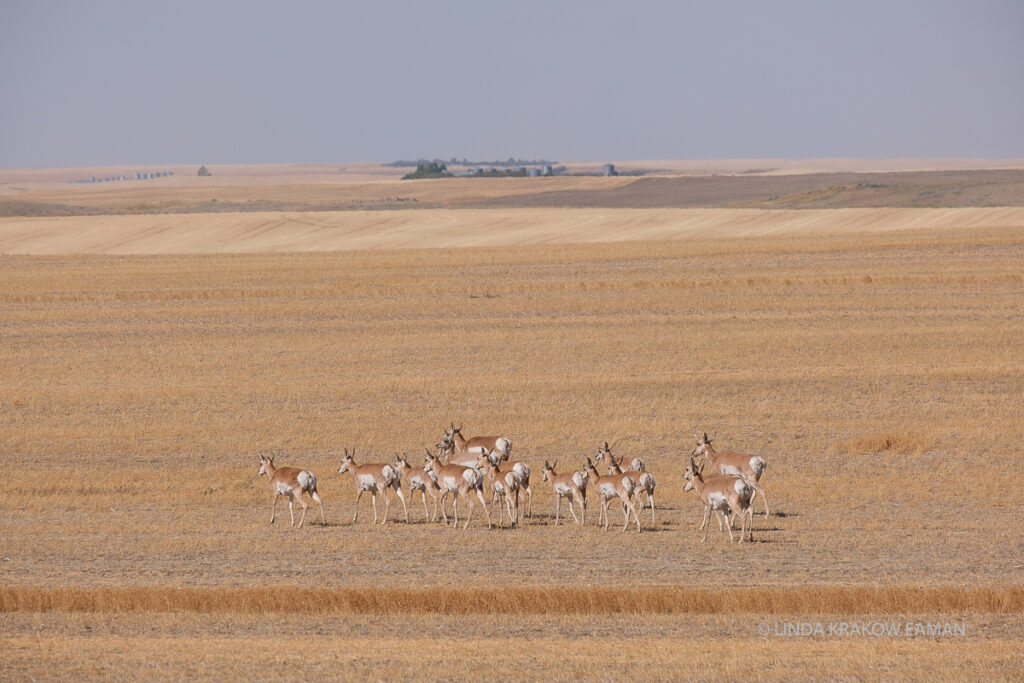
<point>324,231</point>
<point>872,356</point>
<point>760,184</point>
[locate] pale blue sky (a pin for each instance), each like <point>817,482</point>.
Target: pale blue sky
<point>182,81</point>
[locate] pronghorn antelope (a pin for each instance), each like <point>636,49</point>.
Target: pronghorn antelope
<point>750,467</point>
<point>636,463</point>
<point>478,444</point>
<point>621,486</point>
<point>291,482</point>
<point>418,480</point>
<point>459,480</point>
<point>571,485</point>
<point>375,478</point>
<point>644,479</point>
<point>725,494</point>
<point>506,485</point>
<point>446,447</point>
<point>520,468</point>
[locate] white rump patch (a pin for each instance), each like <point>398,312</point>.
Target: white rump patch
<point>579,479</point>
<point>307,480</point>
<point>757,464</point>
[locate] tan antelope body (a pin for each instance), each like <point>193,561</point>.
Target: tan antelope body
<point>610,486</point>
<point>375,478</point>
<point>750,467</point>
<point>506,485</point>
<point>461,481</point>
<point>477,444</point>
<point>418,480</point>
<point>571,485</point>
<point>291,482</point>
<point>646,482</point>
<point>725,494</point>
<point>521,469</point>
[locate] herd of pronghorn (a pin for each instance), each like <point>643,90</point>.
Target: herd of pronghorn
<point>482,463</point>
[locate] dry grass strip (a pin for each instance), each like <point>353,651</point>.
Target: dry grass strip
<point>518,600</point>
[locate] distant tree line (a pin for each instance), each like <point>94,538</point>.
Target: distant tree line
<point>511,161</point>
<point>427,169</point>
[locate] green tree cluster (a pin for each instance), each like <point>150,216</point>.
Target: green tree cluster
<point>429,169</point>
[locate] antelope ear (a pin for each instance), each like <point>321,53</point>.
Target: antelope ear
<point>553,464</point>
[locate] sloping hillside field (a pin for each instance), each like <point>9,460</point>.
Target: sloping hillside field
<point>872,357</point>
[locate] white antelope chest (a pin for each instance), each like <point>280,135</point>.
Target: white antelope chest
<point>367,482</point>
<point>284,488</point>
<point>717,501</point>
<point>448,482</point>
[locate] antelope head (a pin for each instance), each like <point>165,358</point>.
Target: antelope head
<point>264,462</point>
<point>446,446</point>
<point>348,462</point>
<point>431,461</point>
<point>692,472</point>
<point>548,471</point>
<point>604,453</point>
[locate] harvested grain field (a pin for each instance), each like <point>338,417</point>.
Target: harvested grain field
<point>874,363</point>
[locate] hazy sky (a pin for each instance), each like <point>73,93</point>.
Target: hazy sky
<point>177,81</point>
